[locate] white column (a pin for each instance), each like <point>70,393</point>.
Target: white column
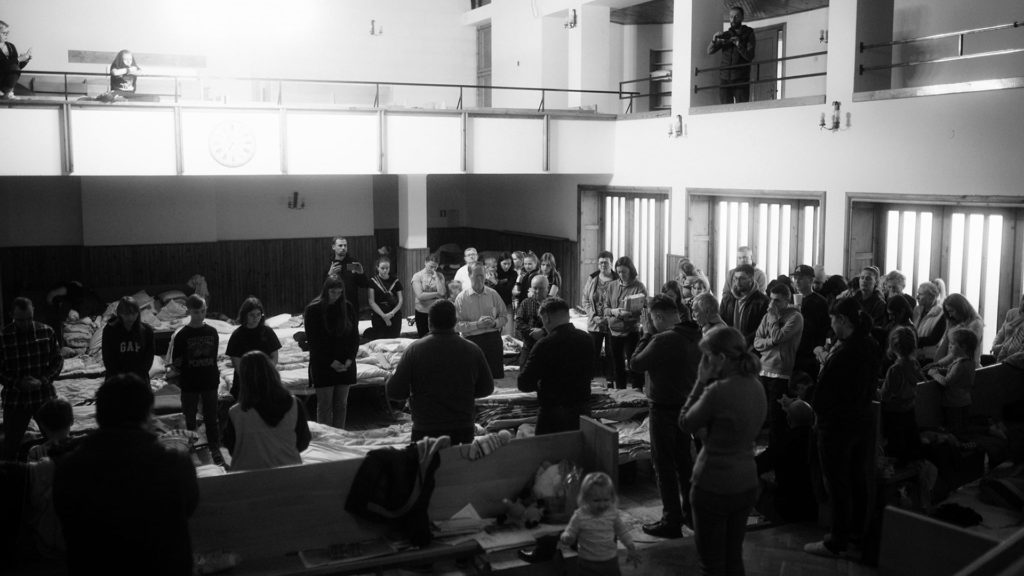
<point>589,57</point>
<point>412,211</point>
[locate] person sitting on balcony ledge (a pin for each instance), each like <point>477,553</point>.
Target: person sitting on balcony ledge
<point>738,46</point>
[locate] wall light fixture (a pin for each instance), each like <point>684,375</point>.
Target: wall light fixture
<point>834,126</point>
<point>570,20</point>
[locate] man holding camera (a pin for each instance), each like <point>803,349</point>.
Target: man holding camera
<point>737,45</point>
<point>350,271</point>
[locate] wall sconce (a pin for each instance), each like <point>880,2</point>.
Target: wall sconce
<point>834,126</point>
<point>823,37</point>
<point>375,30</point>
<point>296,202</point>
<point>570,20</point>
<point>675,127</point>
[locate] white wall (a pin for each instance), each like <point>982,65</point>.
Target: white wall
<point>916,18</point>
<point>40,211</point>
<point>802,34</point>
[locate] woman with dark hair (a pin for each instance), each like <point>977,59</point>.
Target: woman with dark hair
<point>123,72</point>
<point>870,297</point>
<point>332,335</point>
<point>385,298</point>
<point>267,426</point>
<point>11,63</point>
<point>505,279</point>
<point>624,301</point>
<point>128,342</point>
<point>673,290</point>
<point>594,300</point>
<point>550,269</point>
<point>725,410</point>
<point>428,286</point>
<point>251,334</point>
<point>832,288</point>
<point>842,403</point>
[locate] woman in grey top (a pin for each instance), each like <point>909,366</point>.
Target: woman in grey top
<point>726,410</point>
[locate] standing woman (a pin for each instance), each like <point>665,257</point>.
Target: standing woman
<point>959,314</point>
<point>929,321</point>
<point>506,277</point>
<point>128,342</point>
<point>623,315</point>
<point>428,285</point>
<point>842,403</point>
<point>550,269</point>
<point>251,334</point>
<point>595,295</point>
<point>725,410</point>
<point>123,73</point>
<point>385,298</point>
<point>11,63</point>
<point>332,334</point>
<point>267,426</point>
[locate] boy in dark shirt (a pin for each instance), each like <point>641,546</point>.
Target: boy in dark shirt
<point>194,355</point>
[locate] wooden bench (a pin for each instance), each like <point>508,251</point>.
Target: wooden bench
<point>916,545</point>
<point>995,386</point>
<point>267,516</point>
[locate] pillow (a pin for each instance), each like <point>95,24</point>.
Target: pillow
<point>166,297</point>
<point>143,299</point>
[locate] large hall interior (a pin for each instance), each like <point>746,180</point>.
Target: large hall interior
<point>883,135</point>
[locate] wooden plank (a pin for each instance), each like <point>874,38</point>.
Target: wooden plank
<point>1006,559</point>
<point>600,447</point>
<point>144,59</point>
<point>916,545</point>
<point>269,513</point>
<point>503,474</point>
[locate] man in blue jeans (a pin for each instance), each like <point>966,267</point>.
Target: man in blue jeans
<point>669,354</point>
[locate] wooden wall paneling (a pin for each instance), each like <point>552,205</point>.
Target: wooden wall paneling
<point>31,271</point>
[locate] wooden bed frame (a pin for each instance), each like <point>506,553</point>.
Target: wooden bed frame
<point>266,516</point>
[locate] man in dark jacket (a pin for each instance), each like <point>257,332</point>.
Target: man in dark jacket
<point>123,498</point>
<point>559,368</point>
<point>669,354</point>
<point>814,308</point>
<point>745,304</point>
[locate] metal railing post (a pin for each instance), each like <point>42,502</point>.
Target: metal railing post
<point>541,107</point>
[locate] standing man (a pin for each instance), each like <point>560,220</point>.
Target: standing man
<point>668,352</point>
<point>744,305</point>
<point>123,498</point>
<point>559,370</point>
<point>481,315</point>
<point>350,272</point>
<point>529,327</point>
<point>776,340</point>
<point>737,45</point>
<point>745,256</point>
<point>462,275</point>
<point>29,362</point>
<point>441,374</point>
<point>814,309</point>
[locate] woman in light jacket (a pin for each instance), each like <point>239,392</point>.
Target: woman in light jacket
<point>623,303</point>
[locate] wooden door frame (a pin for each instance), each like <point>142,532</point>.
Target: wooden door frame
<point>780,30</point>
<point>735,194</point>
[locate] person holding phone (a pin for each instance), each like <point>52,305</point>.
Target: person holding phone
<point>349,270</point>
<point>737,45</point>
<point>11,63</point>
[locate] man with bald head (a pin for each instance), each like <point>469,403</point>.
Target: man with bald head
<point>529,327</point>
<point>745,256</point>
<point>481,314</point>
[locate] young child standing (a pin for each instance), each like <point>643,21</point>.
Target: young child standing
<point>54,419</point>
<point>899,427</point>
<point>958,379</point>
<point>594,527</point>
<point>194,354</point>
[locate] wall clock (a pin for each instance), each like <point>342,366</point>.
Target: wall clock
<point>232,144</point>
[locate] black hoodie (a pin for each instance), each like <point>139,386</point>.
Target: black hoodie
<point>128,351</point>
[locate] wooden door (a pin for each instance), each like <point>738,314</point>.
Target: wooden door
<point>590,233</point>
<point>768,40</point>
<point>699,220</point>
<point>863,231</point>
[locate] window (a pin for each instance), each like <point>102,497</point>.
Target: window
<point>636,225</point>
<point>782,234</point>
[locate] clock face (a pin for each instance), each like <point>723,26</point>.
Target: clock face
<point>232,144</point>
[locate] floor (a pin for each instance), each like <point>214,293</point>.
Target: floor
<point>768,551</point>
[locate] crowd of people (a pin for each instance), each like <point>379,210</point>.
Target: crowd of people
<point>802,356</point>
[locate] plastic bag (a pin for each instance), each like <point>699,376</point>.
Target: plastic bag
<point>557,486</point>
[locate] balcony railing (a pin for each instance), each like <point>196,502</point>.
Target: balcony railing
<point>756,72</point>
<point>959,35</point>
<point>652,81</point>
<point>280,91</point>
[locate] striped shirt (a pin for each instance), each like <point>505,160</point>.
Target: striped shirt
<point>32,352</point>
